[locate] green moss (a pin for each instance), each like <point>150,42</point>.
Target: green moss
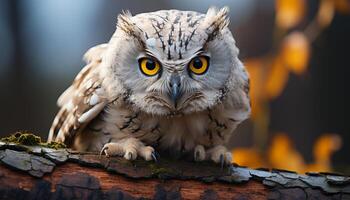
<point>159,171</point>
<point>24,138</point>
<point>27,138</point>
<point>54,145</point>
<point>11,138</point>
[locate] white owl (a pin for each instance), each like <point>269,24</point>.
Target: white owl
<point>168,80</point>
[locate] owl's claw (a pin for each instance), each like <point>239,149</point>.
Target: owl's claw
<point>196,155</point>
<point>104,151</point>
<point>229,167</point>
<point>220,155</point>
<point>154,157</point>
<point>222,161</point>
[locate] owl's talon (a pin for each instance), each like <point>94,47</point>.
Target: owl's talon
<point>154,157</point>
<point>107,156</point>
<point>103,150</point>
<point>228,158</point>
<point>196,155</point>
<point>147,152</point>
<point>229,167</point>
<point>222,161</point>
<point>220,155</point>
<point>111,149</point>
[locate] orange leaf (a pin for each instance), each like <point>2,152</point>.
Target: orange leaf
<point>248,157</point>
<point>282,154</point>
<point>342,6</point>
<point>325,146</point>
<point>296,52</point>
<point>325,13</point>
<point>276,80</point>
<point>323,149</point>
<point>289,13</point>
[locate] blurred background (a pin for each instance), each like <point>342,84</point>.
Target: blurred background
<point>295,50</point>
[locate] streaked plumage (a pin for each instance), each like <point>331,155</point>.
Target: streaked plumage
<point>114,107</point>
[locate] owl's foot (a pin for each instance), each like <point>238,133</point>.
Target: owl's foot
<point>129,148</point>
<point>219,154</point>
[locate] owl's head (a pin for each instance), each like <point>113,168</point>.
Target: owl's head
<point>173,62</point>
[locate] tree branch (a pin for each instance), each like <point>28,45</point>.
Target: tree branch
<point>35,172</point>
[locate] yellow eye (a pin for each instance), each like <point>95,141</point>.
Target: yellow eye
<point>199,65</point>
<point>149,66</point>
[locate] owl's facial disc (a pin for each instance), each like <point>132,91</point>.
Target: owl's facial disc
<point>174,61</point>
<point>174,86</point>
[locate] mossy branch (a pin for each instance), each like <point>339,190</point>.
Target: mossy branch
<point>34,170</point>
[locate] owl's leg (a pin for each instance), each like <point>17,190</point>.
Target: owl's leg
<point>219,154</point>
<point>129,148</point>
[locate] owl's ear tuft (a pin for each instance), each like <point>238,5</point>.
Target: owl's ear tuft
<point>128,26</point>
<point>215,21</point>
<point>125,22</point>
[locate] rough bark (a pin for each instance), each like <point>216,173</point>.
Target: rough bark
<point>34,172</point>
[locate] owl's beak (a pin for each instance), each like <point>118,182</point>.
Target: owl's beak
<point>175,84</point>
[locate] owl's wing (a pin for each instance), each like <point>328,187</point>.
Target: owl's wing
<point>82,101</point>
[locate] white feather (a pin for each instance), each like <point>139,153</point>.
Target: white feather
<point>151,42</point>
<point>94,99</point>
<point>92,113</point>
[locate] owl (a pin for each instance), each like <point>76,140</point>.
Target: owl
<point>168,81</point>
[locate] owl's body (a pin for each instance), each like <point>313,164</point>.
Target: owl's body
<point>169,80</point>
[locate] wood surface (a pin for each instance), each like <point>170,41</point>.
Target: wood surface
<point>34,172</point>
